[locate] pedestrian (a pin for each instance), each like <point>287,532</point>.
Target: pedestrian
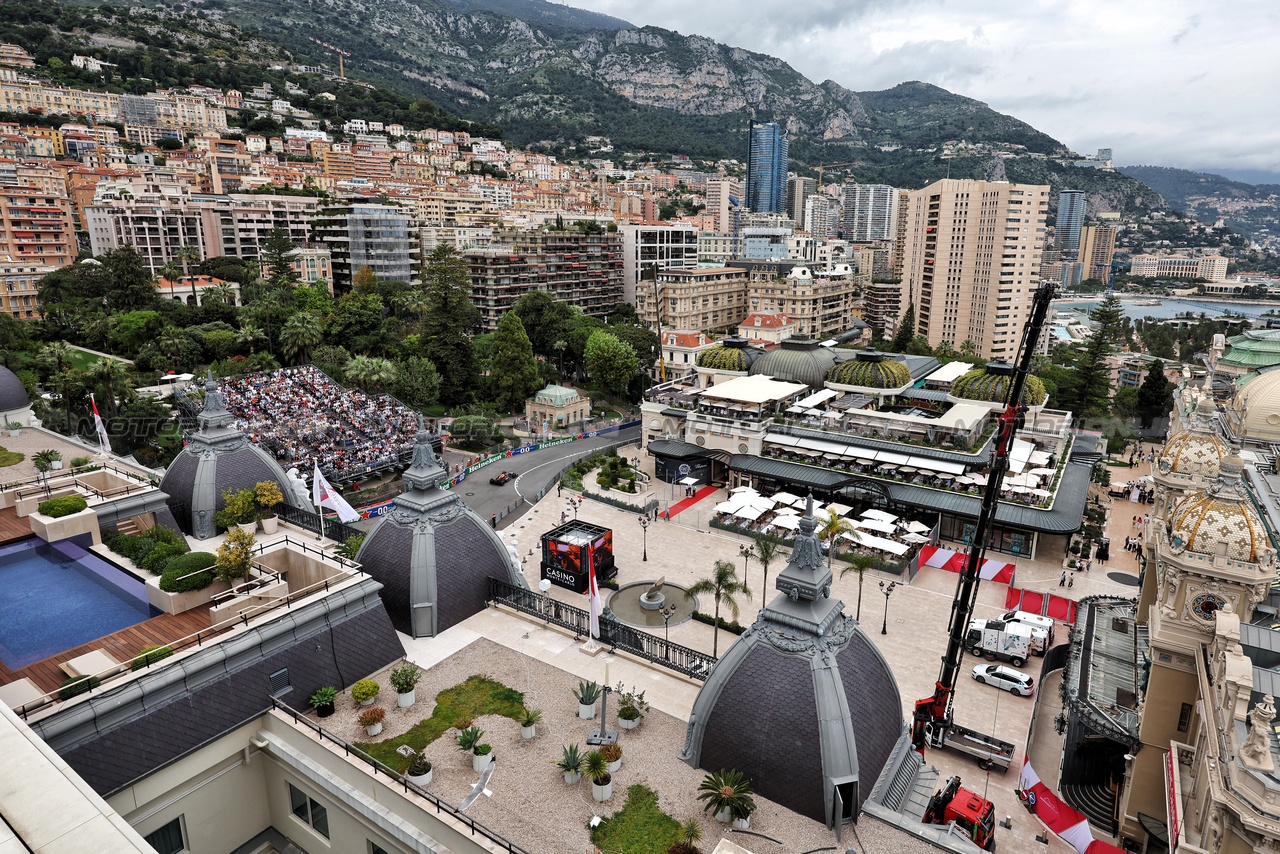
<point>493,521</point>
<point>1088,565</point>
<point>1071,582</point>
<point>563,516</point>
<point>559,489</point>
<point>1062,579</point>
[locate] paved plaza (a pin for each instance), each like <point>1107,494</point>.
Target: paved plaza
<point>684,550</point>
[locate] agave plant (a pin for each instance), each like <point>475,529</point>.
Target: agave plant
<point>727,790</point>
<point>571,760</point>
<point>597,768</point>
<point>469,739</point>
<point>587,693</point>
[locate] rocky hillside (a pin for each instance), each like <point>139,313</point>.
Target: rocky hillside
<point>1250,209</point>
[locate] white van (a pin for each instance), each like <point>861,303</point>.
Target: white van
<point>1029,619</point>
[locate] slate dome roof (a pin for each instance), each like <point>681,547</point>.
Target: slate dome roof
<point>217,458</point>
<point>1220,514</point>
<point>870,373</point>
<point>731,354</point>
<point>803,701</point>
<point>798,360</point>
<point>980,384</point>
<point>432,554</point>
<point>13,395</point>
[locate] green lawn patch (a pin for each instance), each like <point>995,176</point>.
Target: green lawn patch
<point>640,827</point>
<point>438,410</point>
<point>479,695</point>
<point>10,458</point>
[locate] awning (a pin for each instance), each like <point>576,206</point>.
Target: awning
<point>816,398</point>
<point>786,498</point>
<point>879,514</point>
<point>791,523</point>
<point>749,513</point>
<point>689,481</point>
<point>839,508</point>
<point>875,525</point>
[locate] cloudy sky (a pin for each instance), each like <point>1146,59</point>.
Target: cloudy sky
<point>1187,83</point>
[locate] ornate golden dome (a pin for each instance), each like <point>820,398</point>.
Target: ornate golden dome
<point>1220,514</point>
<point>1193,452</point>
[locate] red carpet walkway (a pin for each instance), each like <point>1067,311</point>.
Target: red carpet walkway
<point>689,502</point>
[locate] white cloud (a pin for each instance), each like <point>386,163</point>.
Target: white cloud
<point>1172,82</point>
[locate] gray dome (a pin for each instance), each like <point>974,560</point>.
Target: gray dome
<point>434,555</point>
<point>217,458</point>
<point>13,395</point>
<point>798,360</point>
<point>822,703</point>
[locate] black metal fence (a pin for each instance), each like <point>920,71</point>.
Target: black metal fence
<point>333,529</point>
<point>502,843</point>
<point>613,633</point>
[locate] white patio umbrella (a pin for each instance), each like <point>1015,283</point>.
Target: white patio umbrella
<point>791,523</point>
<point>879,514</point>
<point>914,539</point>
<point>1041,493</point>
<point>1042,472</point>
<point>738,489</point>
<point>749,513</point>
<point>917,527</point>
<point>840,509</point>
<point>726,506</point>
<point>689,481</point>
<point>788,511</point>
<point>875,525</point>
<point>786,498</point>
<point>760,502</point>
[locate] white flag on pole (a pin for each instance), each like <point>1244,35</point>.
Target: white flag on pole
<point>593,590</point>
<point>324,495</point>
<point>102,428</point>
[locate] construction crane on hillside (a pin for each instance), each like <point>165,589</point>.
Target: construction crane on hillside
<point>342,75</point>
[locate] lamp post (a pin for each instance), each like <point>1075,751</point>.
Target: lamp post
<point>747,552</point>
<point>887,590</point>
<point>667,612</point>
<point>644,526</point>
<point>575,503</point>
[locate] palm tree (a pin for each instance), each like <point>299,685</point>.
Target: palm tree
<point>172,272</point>
<point>366,371</point>
<point>833,525</point>
<point>221,291</point>
<point>114,375</point>
<point>300,334</point>
<point>250,336</point>
<point>859,564</point>
<point>171,341</point>
<point>723,585</point>
<point>767,548</point>
<point>13,334</point>
<point>57,355</point>
<point>968,348</point>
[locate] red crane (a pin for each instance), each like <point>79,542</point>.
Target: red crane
<point>339,51</point>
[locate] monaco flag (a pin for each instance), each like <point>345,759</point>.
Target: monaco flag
<point>102,428</point>
<point>593,590</point>
<point>1067,823</point>
<point>324,495</point>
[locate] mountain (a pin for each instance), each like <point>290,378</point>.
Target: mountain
<point>543,13</point>
<point>1250,209</point>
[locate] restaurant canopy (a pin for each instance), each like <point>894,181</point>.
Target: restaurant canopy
<point>875,525</point>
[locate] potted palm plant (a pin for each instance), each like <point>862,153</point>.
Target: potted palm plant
<point>323,701</point>
<point>419,771</point>
<point>481,757</point>
<point>570,763</point>
<point>469,742</point>
<point>529,723</point>
<point>597,768</point>
<point>587,694</point>
<point>612,754</point>
<point>727,796</point>
<point>364,691</point>
<point>267,496</point>
<point>371,720</point>
<point>15,428</point>
<point>405,680</point>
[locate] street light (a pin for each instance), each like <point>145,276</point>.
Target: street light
<point>575,503</point>
<point>747,553</point>
<point>667,612</point>
<point>887,591</point>
<point>644,526</point>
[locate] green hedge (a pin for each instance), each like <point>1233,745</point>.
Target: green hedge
<point>63,506</point>
<point>77,685</point>
<point>184,565</point>
<point>132,547</point>
<point>158,558</point>
<point>727,625</point>
<point>149,656</point>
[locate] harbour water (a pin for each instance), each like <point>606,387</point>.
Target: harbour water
<point>1173,307</point>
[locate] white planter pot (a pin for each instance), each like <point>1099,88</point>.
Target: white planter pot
<point>404,701</point>
<point>15,433</point>
<point>742,823</point>
<point>369,702</point>
<point>479,763</point>
<point>623,723</point>
<point>373,730</point>
<point>56,465</point>
<point>586,712</point>
<point>270,524</point>
<point>248,527</point>
<point>614,766</point>
<point>528,731</point>
<point>725,815</point>
<point>572,777</point>
<point>421,779</point>
<point>602,793</point>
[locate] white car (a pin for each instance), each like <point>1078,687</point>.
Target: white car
<point>1013,681</point>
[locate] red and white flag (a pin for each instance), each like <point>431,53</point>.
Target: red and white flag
<point>1065,821</point>
<point>102,428</point>
<point>324,495</point>
<point>593,590</point>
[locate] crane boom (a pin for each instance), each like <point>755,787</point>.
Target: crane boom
<point>933,717</point>
<point>342,73</point>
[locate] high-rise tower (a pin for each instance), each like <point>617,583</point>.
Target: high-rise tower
<point>1070,221</point>
<point>766,168</point>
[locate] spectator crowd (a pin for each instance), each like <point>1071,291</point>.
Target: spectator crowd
<point>302,416</point>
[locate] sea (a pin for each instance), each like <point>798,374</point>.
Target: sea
<point>1172,307</point>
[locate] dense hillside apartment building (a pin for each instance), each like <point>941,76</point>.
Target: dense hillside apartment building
<point>818,302</point>
<point>971,261</point>
<point>1097,250</point>
<point>383,238</point>
<point>584,270</point>
<point>18,280</point>
<point>870,212</point>
<point>36,227</point>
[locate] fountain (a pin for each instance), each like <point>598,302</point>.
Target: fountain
<point>649,604</point>
<point>653,599</point>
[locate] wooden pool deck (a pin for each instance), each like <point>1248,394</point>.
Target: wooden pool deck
<point>11,527</point>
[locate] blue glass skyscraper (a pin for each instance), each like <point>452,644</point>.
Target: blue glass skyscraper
<point>1071,205</point>
<point>766,168</point>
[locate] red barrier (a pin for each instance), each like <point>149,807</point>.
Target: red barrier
<point>1045,604</point>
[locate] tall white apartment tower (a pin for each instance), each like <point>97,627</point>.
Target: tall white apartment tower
<point>870,212</point>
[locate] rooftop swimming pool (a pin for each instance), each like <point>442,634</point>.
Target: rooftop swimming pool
<point>57,596</point>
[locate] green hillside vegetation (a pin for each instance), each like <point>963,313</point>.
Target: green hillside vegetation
<point>1179,185</point>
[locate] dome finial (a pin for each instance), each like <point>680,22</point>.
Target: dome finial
<point>215,413</point>
<point>424,469</point>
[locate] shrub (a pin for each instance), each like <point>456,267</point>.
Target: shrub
<point>373,715</point>
<point>77,685</point>
<point>172,580</point>
<point>324,697</point>
<point>235,555</point>
<point>157,560</point>
<point>150,655</point>
<point>168,536</point>
<point>77,462</point>
<point>728,626</point>
<point>611,752</point>
<point>351,546</point>
<point>64,506</point>
<point>405,677</point>
<point>365,689</point>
